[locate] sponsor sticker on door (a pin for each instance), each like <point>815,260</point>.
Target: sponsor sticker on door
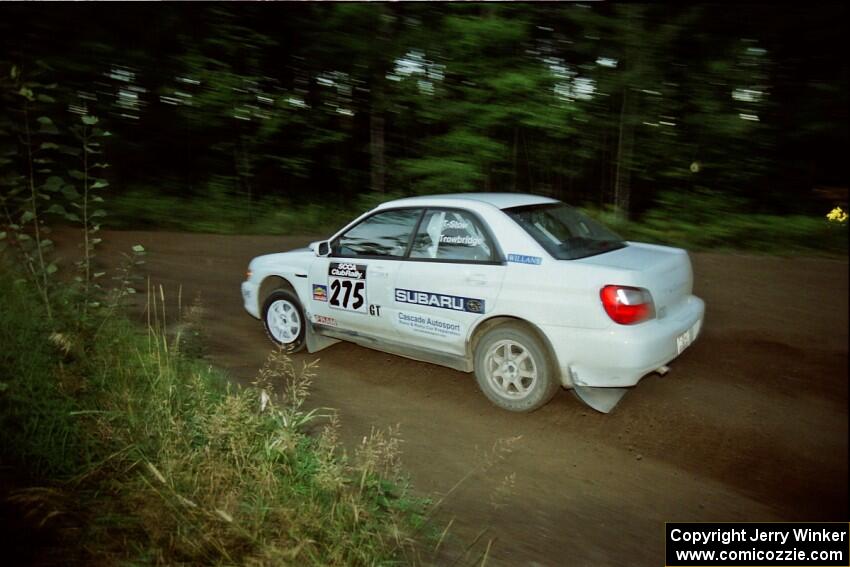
<point>320,292</point>
<point>439,300</point>
<point>429,325</point>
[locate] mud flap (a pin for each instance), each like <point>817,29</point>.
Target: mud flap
<point>601,399</point>
<point>317,342</point>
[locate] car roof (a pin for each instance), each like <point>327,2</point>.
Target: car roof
<point>498,200</point>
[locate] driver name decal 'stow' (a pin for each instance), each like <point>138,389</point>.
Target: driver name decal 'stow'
<point>453,302</point>
<point>347,285</point>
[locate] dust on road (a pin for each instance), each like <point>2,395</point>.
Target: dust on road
<point>750,424</point>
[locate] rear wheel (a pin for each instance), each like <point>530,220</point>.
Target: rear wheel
<point>283,319</point>
<point>514,370</point>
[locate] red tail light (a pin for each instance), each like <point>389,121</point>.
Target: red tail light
<point>627,305</point>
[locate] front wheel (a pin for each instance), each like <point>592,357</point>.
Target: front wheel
<point>513,369</point>
<point>283,319</point>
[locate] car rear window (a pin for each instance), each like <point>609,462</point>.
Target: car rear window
<point>452,235</point>
<point>566,233</point>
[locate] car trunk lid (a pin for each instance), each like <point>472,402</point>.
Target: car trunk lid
<point>664,271</point>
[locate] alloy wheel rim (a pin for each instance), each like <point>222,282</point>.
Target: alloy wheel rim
<point>510,369</point>
<point>283,321</point>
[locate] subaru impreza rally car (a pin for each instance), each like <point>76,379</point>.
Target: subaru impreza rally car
<point>525,291</point>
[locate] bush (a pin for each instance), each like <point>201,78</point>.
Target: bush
<point>710,221</point>
<point>222,213</point>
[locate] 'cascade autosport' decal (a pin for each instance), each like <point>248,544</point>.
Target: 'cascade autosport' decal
<point>522,259</point>
<point>347,283</point>
<point>440,300</point>
<point>428,325</point>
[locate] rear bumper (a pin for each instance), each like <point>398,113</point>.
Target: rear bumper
<point>620,355</point>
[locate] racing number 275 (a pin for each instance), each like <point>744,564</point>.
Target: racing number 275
<point>351,291</point>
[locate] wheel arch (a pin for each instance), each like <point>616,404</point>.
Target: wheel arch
<point>271,283</point>
<point>481,329</point>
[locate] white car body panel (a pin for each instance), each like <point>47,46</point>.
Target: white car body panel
<point>287,265</point>
<point>558,298</point>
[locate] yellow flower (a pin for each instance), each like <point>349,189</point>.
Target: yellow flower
<point>837,215</point>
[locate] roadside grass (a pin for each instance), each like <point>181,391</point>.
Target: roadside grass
<point>135,452</point>
<point>695,223</point>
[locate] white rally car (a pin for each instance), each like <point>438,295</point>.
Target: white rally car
<point>527,292</point>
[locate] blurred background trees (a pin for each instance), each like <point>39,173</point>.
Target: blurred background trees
<point>627,106</point>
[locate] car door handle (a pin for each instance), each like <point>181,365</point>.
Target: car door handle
<point>477,279</point>
<point>378,272</point>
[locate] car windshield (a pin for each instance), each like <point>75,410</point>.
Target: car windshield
<point>566,233</point>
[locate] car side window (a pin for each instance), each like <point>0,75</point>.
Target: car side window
<point>452,235</point>
<point>382,234</point>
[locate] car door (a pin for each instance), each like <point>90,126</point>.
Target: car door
<point>450,281</point>
<point>352,286</point>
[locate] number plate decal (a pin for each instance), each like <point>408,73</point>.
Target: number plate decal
<point>347,286</point>
<point>684,340</point>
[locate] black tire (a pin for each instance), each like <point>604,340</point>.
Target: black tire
<point>283,319</point>
<point>519,382</point>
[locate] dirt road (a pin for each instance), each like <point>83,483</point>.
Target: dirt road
<point>750,424</point>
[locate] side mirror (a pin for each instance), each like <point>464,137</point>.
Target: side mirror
<point>321,248</point>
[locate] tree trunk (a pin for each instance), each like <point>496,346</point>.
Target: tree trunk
<point>516,162</point>
<point>625,146</point>
<point>377,124</point>
<point>376,150</point>
<point>632,64</point>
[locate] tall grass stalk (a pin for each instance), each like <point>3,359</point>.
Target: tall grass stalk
<point>152,457</point>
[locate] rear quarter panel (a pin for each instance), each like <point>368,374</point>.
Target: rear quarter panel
<point>555,293</point>
<point>542,290</point>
